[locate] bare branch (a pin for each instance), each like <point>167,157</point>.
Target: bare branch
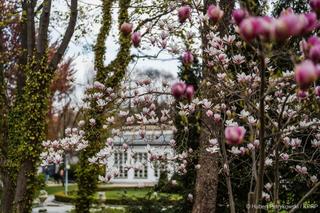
<point>313,189</point>
<point>67,36</point>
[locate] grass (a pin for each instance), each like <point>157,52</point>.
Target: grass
<point>119,193</point>
<point>135,193</point>
<point>111,193</point>
<point>54,189</point>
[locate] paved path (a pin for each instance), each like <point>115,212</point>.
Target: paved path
<point>53,206</point>
<point>57,207</point>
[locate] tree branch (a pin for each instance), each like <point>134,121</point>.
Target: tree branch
<point>67,36</point>
<point>42,42</point>
<point>313,189</point>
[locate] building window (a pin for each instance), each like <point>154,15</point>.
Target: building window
<point>120,160</point>
<point>141,158</point>
<point>158,168</point>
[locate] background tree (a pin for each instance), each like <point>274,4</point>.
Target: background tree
<point>207,175</point>
<point>110,76</point>
<point>24,117</point>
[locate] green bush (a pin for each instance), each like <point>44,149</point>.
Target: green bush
<point>122,197</point>
<point>61,197</point>
<point>40,184</point>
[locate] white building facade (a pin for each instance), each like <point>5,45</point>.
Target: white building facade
<point>134,165</point>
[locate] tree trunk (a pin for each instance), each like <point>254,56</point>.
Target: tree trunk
<point>7,194</point>
<point>24,195</point>
<point>87,174</point>
<point>207,177</point>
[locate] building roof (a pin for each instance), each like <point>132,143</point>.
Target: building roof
<point>153,137</point>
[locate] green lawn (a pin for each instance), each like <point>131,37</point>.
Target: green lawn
<point>111,193</point>
<point>134,193</point>
<point>54,189</point>
<point>119,193</point>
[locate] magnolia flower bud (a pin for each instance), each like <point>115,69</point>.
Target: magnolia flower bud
<point>189,92</point>
<point>110,141</point>
<point>136,39</point>
<point>209,113</point>
<point>217,117</point>
<point>172,143</point>
<point>234,134</point>
<point>92,121</point>
<point>184,13</point>
<point>318,70</point>
<point>214,13</point>
<point>81,123</point>
<point>317,91</point>
<point>190,197</point>
<point>238,15</point>
<point>284,26</point>
<point>125,146</point>
<point>249,28</point>
<point>314,53</point>
<point>311,22</point>
<point>313,40</point>
<point>187,58</point>
<point>302,94</point>
<point>305,74</point>
<point>178,89</point>
<point>284,156</point>
<point>126,28</point>
<point>315,5</point>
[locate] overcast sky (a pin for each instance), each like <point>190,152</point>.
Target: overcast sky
<point>84,56</point>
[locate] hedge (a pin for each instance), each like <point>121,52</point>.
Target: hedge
<point>61,197</point>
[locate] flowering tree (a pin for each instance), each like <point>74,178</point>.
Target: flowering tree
<point>254,115</point>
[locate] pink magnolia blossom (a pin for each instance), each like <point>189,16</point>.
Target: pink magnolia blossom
<point>189,92</point>
<point>214,13</point>
<point>314,53</point>
<point>250,28</point>
<point>178,89</point>
<point>184,13</point>
<point>187,58</point>
<point>311,22</point>
<point>126,28</point>
<point>136,39</point>
<point>234,134</point>
<point>209,113</point>
<point>305,74</point>
<point>238,15</point>
<point>289,25</point>
<point>302,94</point>
<point>217,117</point>
<point>313,40</point>
<point>318,70</point>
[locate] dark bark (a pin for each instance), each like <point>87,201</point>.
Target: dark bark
<point>67,36</point>
<point>8,193</point>
<point>42,42</point>
<point>8,190</point>
<point>30,27</point>
<point>27,116</point>
<point>22,199</point>
<point>207,176</point>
